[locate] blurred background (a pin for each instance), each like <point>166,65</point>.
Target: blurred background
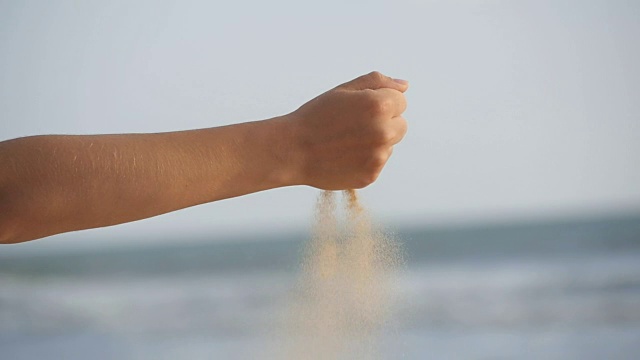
<point>516,192</point>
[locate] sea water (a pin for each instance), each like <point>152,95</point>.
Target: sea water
<point>544,290</point>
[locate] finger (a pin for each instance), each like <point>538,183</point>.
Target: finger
<point>375,80</point>
<point>399,125</point>
<point>394,99</point>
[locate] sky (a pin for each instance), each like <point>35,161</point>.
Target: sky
<point>517,109</point>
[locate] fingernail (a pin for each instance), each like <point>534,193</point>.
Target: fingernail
<point>400,81</point>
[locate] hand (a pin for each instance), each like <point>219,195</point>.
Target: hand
<point>345,136</point>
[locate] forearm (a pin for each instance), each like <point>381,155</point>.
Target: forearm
<point>54,184</point>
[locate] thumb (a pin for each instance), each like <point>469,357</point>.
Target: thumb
<point>375,80</point>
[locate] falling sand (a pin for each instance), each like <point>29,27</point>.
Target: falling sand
<point>343,298</point>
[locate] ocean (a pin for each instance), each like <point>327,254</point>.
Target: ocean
<point>557,289</point>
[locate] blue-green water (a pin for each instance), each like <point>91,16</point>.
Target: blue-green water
<point>545,290</point>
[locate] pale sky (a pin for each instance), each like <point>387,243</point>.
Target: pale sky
<point>517,109</point>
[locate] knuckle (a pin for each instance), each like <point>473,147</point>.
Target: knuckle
<point>403,102</point>
<point>379,160</point>
<point>383,135</point>
<point>376,75</point>
<point>360,183</point>
<point>367,179</point>
<point>374,176</point>
<point>380,106</point>
<point>404,127</point>
<point>370,96</point>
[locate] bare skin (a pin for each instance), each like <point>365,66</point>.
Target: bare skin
<point>58,183</point>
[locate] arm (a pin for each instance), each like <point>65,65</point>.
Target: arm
<point>54,184</point>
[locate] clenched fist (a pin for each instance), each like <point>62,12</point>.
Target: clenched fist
<point>345,136</point>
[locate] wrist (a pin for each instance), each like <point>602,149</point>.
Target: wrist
<point>284,150</point>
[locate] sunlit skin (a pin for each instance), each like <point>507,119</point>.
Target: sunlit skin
<point>341,139</point>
